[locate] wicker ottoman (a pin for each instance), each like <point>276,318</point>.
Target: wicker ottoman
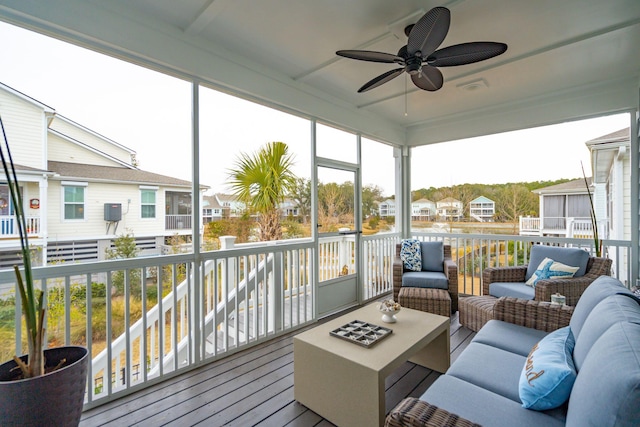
<point>475,311</point>
<point>436,301</point>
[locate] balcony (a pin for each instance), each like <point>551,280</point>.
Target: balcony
<point>169,315</point>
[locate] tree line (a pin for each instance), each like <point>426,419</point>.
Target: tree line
<point>512,200</point>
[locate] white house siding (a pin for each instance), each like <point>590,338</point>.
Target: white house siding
<point>62,150</point>
<point>98,142</point>
<point>24,124</point>
<point>93,226</point>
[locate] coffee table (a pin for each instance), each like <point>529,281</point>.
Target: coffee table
<point>344,382</point>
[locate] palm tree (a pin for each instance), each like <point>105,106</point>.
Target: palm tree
<point>261,182</point>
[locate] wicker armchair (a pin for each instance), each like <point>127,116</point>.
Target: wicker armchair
<point>571,288</point>
<point>450,271</point>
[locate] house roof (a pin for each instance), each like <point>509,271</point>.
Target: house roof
<point>449,200</point>
<point>114,174</point>
<point>605,150</point>
<point>210,202</point>
<point>422,201</point>
<point>621,135</point>
<point>482,199</point>
<point>576,186</point>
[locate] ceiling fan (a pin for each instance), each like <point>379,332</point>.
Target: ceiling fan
<point>419,56</point>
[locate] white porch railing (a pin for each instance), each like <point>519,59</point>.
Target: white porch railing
<point>177,222</point>
<point>9,227</point>
<point>143,319</point>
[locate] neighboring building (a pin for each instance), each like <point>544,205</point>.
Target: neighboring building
<point>289,208</point>
<point>81,189</point>
<point>482,209</point>
<point>564,208</point>
<point>611,165</point>
<point>231,206</point>
<point>423,210</point>
<point>387,208</point>
<point>211,209</point>
<point>449,209</point>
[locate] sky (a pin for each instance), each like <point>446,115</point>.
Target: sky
<point>150,113</point>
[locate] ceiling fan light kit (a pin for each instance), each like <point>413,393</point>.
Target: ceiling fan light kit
<point>419,57</point>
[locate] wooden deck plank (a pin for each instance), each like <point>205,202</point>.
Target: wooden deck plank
<point>253,387</point>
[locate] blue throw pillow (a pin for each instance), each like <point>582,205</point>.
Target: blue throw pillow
<point>549,373</point>
<point>550,269</point>
<point>411,254</point>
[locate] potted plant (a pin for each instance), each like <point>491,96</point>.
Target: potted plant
<point>44,386</point>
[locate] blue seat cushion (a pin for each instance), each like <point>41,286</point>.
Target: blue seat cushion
<point>425,279</point>
<point>509,337</point>
<point>574,257</point>
<point>607,389</point>
<point>512,289</point>
<point>432,256</point>
<point>484,407</point>
<point>499,372</point>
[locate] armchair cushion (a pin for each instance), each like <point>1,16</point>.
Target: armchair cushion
<point>570,256</point>
<point>411,254</point>
<point>425,279</point>
<point>432,256</point>
<point>511,289</point>
<point>549,269</point>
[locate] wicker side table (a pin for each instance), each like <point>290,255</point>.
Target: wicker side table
<point>436,301</point>
<point>475,311</point>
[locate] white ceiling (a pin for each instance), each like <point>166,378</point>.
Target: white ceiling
<point>566,59</point>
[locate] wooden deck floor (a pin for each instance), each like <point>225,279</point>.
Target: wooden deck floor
<point>251,388</point>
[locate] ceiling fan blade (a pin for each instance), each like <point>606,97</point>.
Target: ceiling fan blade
<point>381,79</point>
<point>465,53</point>
<point>368,55</point>
<point>429,32</point>
<point>429,78</point>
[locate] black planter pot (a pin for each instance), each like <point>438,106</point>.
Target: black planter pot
<point>54,399</point>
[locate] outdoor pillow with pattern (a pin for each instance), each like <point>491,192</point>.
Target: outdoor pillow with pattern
<point>550,269</point>
<point>411,254</point>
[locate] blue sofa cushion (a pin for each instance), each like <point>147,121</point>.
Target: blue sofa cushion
<point>597,291</point>
<point>432,256</point>
<point>499,372</point>
<point>550,269</point>
<point>411,254</point>
<point>511,289</point>
<point>509,337</point>
<point>484,407</point>
<point>611,310</point>
<point>425,279</point>
<point>607,390</point>
<point>549,373</point>
<point>569,256</point>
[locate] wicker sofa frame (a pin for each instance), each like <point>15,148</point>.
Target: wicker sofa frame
<point>572,288</point>
<point>450,270</point>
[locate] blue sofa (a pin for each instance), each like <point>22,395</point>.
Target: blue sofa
<point>482,385</point>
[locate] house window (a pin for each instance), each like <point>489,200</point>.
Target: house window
<point>74,202</point>
<point>147,203</point>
